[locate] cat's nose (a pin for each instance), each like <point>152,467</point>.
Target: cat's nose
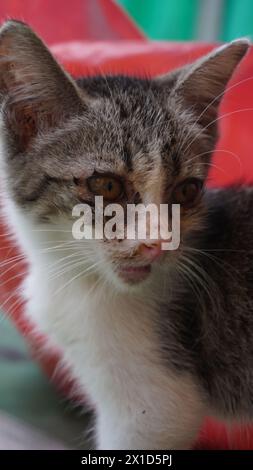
<point>151,250</point>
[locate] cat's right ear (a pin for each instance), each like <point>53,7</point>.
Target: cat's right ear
<point>35,92</point>
<point>201,85</point>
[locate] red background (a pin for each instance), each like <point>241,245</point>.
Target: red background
<point>75,26</point>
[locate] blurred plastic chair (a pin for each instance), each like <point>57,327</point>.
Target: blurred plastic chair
<point>63,20</point>
<point>232,159</point>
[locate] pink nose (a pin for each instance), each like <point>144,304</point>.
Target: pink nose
<point>151,251</point>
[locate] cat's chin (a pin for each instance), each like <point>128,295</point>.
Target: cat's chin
<point>135,274</point>
<point>131,279</point>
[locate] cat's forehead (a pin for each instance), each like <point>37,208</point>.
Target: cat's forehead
<point>127,116</point>
<point>129,103</point>
<point>127,127</point>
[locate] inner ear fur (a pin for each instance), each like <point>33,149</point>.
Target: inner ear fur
<point>35,91</point>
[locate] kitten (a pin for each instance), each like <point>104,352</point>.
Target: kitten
<point>157,340</point>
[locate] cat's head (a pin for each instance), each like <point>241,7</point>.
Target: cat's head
<point>129,140</point>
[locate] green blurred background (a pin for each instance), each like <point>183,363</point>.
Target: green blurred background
<point>24,391</point>
<point>203,20</point>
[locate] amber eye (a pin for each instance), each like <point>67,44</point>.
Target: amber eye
<point>109,187</point>
<point>187,192</point>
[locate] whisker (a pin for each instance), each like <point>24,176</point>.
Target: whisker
<point>217,97</point>
<point>211,151</point>
<point>77,276</point>
<point>216,120</point>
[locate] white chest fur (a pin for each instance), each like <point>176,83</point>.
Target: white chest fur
<point>106,337</point>
<point>111,345</point>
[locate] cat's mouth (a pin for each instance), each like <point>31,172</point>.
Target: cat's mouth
<point>134,274</point>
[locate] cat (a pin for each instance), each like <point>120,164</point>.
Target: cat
<point>156,340</point>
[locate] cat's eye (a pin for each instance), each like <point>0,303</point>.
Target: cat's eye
<point>187,192</point>
<point>110,187</point>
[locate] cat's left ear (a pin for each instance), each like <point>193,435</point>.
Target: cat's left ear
<point>35,92</point>
<point>202,84</point>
